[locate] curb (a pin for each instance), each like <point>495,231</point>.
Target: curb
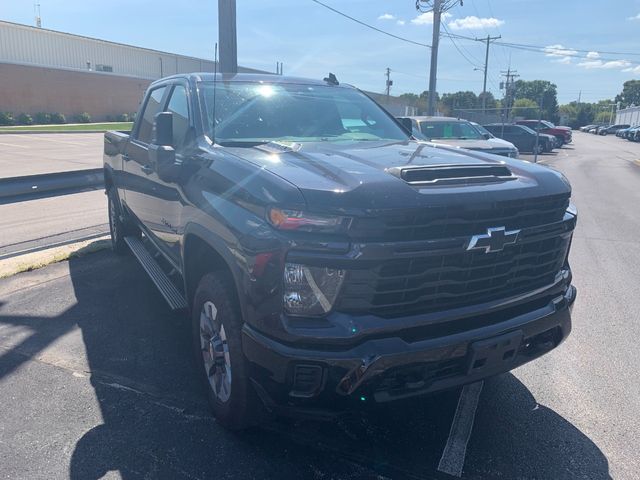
<point>54,254</point>
<point>50,182</point>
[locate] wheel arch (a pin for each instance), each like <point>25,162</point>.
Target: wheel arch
<point>201,254</point>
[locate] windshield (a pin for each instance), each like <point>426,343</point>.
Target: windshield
<point>482,130</point>
<point>527,129</point>
<point>547,124</point>
<point>251,113</point>
<point>450,130</point>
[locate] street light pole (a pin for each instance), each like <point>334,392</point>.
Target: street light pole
<point>227,36</point>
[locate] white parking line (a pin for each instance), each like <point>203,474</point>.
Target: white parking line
<point>13,145</point>
<point>452,460</point>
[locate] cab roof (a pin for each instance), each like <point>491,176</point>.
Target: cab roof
<point>249,77</point>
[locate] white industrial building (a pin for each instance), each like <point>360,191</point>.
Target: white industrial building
<point>24,44</point>
<point>628,116</point>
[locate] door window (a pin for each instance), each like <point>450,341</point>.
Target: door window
<point>178,105</point>
<point>152,107</point>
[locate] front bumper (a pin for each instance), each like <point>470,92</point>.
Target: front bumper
<point>379,370</point>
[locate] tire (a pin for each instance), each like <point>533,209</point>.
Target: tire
<point>560,141</point>
<point>217,347</point>
<point>119,225</point>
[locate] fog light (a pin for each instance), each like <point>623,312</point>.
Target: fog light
<point>310,290</point>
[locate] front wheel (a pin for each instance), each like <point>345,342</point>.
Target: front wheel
<point>217,344</point>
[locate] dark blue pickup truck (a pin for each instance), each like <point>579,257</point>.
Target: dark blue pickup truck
<point>328,259</point>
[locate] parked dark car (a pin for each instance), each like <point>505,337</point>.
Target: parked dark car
<point>522,137</point>
<point>563,134</point>
<point>327,259</point>
<point>457,132</point>
<point>633,134</point>
<point>587,127</point>
<point>612,129</point>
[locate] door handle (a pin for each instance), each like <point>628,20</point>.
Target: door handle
<point>147,169</point>
<point>125,157</point>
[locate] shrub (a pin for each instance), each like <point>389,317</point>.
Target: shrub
<point>6,118</point>
<point>58,118</point>
<point>123,117</point>
<point>25,119</point>
<point>42,118</point>
<point>83,117</point>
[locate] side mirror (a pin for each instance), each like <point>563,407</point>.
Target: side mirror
<point>163,128</point>
<point>487,136</point>
<point>162,155</point>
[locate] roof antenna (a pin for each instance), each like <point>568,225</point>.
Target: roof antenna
<point>331,79</point>
<point>215,81</point>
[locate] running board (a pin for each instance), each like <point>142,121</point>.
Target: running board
<point>169,291</point>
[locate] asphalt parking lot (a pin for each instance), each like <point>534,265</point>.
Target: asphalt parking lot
<point>31,154</point>
<point>96,382</point>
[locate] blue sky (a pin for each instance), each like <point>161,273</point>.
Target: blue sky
<point>312,40</point>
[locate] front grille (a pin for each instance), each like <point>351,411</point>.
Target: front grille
<point>408,286</point>
<point>459,220</point>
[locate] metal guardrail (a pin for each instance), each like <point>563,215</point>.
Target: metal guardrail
<point>32,185</point>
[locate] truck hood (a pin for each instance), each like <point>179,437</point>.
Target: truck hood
<point>356,175</point>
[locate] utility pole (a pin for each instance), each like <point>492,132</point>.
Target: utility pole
<point>486,68</point>
<point>433,68</point>
<point>36,11</point>
<point>389,83</point>
<point>509,88</point>
<point>438,8</point>
<point>227,36</point>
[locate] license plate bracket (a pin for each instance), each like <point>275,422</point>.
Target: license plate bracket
<point>494,353</point>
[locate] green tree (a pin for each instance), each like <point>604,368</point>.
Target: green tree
<point>491,101</point>
<point>534,90</point>
<point>525,108</point>
<point>452,103</point>
<point>630,94</point>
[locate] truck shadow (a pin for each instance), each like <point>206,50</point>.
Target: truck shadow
<point>155,423</point>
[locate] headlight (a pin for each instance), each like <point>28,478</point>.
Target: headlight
<point>310,290</point>
<point>297,220</point>
<point>572,209</point>
<point>514,153</point>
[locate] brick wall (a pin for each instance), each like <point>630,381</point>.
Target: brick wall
<point>32,89</point>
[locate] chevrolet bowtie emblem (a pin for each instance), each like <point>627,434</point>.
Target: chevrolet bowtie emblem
<point>494,240</point>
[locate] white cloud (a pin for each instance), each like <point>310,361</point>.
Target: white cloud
<point>559,51</point>
<point>622,64</point>
<point>401,22</point>
<point>564,60</point>
<point>593,55</point>
<point>635,69</point>
<point>636,17</point>
<point>475,23</point>
<point>386,16</point>
<point>426,18</point>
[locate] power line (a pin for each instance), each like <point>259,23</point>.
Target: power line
<point>473,64</point>
<point>370,26</point>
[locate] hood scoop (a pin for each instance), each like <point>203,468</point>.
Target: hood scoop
<point>453,174</point>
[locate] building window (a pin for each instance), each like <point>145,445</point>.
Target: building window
<point>104,68</point>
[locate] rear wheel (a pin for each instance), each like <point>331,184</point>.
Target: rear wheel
<point>217,344</point>
<point>119,225</point>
